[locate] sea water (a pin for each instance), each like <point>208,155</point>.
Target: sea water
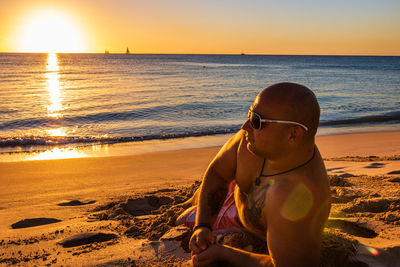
<point>69,100</point>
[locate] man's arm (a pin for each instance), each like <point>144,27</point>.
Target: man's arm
<point>294,219</point>
<point>296,215</point>
<point>214,188</point>
<point>234,256</point>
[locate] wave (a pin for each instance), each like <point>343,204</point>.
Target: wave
<point>388,117</point>
<point>54,141</point>
<point>8,111</point>
<point>179,112</point>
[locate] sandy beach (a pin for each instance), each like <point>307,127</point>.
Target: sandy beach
<point>120,210</point>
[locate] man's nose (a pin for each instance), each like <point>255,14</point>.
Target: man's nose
<point>246,126</point>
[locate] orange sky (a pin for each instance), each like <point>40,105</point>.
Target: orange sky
<point>362,27</point>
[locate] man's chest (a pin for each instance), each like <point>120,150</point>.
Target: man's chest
<point>251,207</point>
<point>250,198</point>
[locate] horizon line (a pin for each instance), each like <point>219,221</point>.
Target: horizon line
<point>228,54</point>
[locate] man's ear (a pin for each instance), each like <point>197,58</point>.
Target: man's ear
<point>295,134</point>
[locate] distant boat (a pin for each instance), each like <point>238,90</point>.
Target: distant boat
<point>127,51</point>
<point>242,54</point>
<point>106,52</point>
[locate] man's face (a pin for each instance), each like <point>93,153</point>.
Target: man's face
<point>266,140</point>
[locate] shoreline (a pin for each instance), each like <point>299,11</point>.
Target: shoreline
<point>150,146</point>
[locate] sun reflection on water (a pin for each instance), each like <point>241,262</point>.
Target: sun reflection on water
<point>53,86</point>
<point>58,153</point>
<point>56,132</point>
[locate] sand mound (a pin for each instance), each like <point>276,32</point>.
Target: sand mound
<point>33,222</point>
<point>343,195</point>
<point>339,180</point>
<point>374,205</point>
<point>149,216</point>
<point>161,211</point>
<point>338,249</point>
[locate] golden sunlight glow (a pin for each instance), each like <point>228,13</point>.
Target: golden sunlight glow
<point>56,132</point>
<point>373,251</point>
<point>298,204</point>
<point>53,85</point>
<point>50,32</point>
<point>58,153</point>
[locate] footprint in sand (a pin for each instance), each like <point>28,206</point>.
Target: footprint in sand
<point>375,165</point>
<point>334,169</point>
<point>351,228</point>
<point>33,222</point>
<point>76,203</point>
<point>395,180</point>
<point>144,205</point>
<point>88,238</point>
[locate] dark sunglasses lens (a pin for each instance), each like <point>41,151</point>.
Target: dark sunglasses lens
<point>255,121</point>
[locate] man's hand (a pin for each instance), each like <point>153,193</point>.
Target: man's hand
<point>200,240</point>
<point>208,256</point>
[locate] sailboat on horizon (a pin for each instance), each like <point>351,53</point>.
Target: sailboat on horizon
<point>127,51</point>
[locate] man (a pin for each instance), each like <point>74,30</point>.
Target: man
<point>282,191</point>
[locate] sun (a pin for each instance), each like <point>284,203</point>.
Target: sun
<point>50,31</point>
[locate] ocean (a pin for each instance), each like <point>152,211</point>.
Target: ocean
<point>49,101</point>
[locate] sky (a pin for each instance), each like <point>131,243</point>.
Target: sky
<point>294,27</point>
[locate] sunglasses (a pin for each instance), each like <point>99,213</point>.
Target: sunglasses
<point>256,121</point>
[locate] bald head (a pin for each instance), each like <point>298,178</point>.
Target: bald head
<point>291,101</point>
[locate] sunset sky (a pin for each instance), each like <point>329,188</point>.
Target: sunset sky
<point>345,27</point>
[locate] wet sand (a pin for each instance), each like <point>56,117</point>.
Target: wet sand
<point>120,210</point>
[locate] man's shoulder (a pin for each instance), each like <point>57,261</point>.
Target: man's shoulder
<point>237,144</point>
<point>226,159</point>
<point>234,141</point>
